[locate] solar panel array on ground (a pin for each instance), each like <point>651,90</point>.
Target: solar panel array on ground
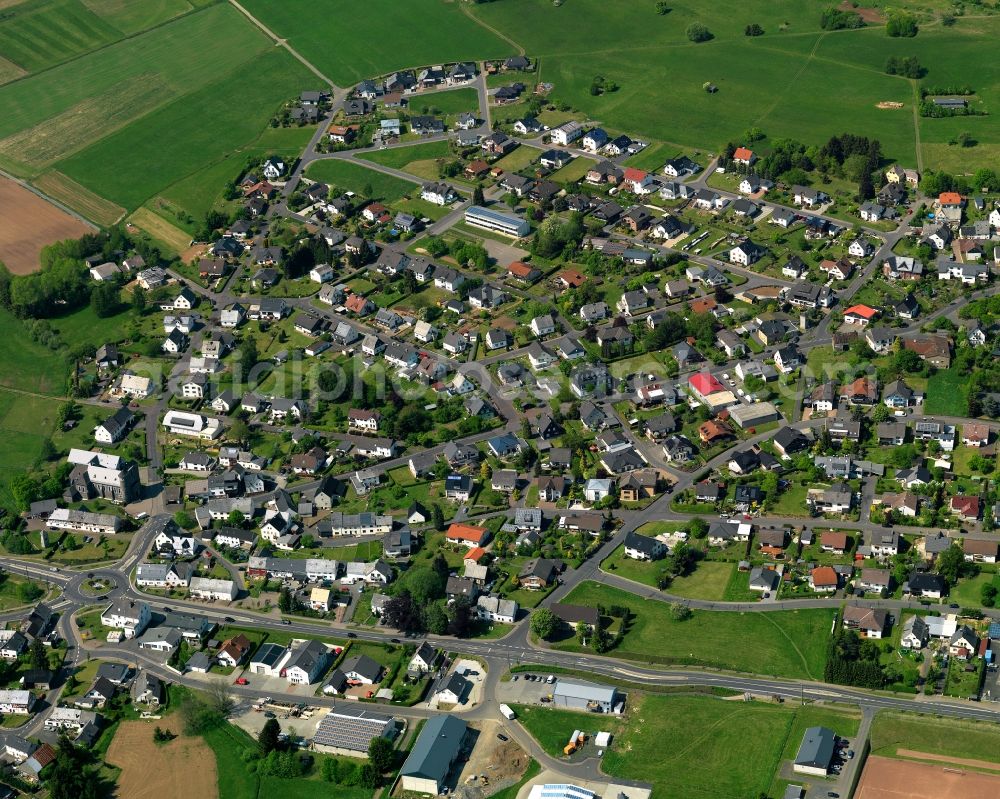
<point>353,733</point>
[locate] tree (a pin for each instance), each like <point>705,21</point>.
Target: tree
<point>402,613</point>
<point>139,299</point>
<point>368,776</point>
<point>105,299</point>
<point>477,197</point>
<point>38,655</point>
<point>662,7</point>
<point>381,754</point>
<point>267,738</point>
<point>437,517</point>
<point>71,777</point>
<point>286,601</point>
<point>753,30</point>
<point>989,596</point>
<point>184,520</point>
<point>544,623</point>
<point>239,432</point>
<point>461,618</point>
<point>697,32</point>
<point>950,563</point>
<point>680,612</point>
<point>900,24</point>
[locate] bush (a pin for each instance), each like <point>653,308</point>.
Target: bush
<point>833,19</point>
<point>901,24</point>
<point>753,30</point>
<point>697,32</point>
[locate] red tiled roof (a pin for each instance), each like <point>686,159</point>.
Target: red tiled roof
<point>824,576</point>
<point>864,311</point>
<point>466,532</point>
<point>742,154</point>
<point>636,175</point>
<point>705,384</point>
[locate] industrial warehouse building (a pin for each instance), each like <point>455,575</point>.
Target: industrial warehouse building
<point>436,750</point>
<point>477,216</point>
<point>747,416</point>
<point>339,734</point>
<point>816,752</point>
<point>580,695</point>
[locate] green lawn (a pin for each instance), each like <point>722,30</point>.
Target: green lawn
<point>354,177</point>
<point>11,588</point>
<point>399,157</point>
<point>30,366</point>
<point>893,730</point>
<point>786,643</point>
<point>707,581</point>
<point>552,728</point>
<point>947,393</point>
<point>454,101</point>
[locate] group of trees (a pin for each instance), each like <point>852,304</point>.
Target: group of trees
<point>753,29</point>
<point>851,661</point>
<point>602,85</point>
<point>906,66</point>
<point>63,283</point>
<point>556,237</point>
<point>418,603</point>
<point>834,19</point>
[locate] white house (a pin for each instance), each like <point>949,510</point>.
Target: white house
<point>131,618</point>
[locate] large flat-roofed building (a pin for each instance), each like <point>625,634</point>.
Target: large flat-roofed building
<point>758,413</point>
<point>581,695</point>
<point>509,225</point>
<point>815,752</point>
<point>436,750</point>
<point>340,734</point>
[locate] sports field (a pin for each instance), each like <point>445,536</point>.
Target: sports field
<point>29,223</point>
<point>884,778</point>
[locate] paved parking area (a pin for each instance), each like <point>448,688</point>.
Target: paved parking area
<point>524,691</point>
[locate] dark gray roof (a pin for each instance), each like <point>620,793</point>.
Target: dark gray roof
<point>436,748</point>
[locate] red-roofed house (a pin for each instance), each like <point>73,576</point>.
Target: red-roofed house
<point>474,555</point>
<point>359,305</point>
<point>467,534</point>
<point>966,508</point>
<point>824,579</point>
<point>637,181</point>
<point>744,156</point>
<point>704,305</point>
<point>526,273</point>
<point>374,212</point>
<point>860,315</point>
<point>703,384</point>
<point>571,278</point>
<point>975,434</point>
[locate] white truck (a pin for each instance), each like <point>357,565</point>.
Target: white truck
<point>507,712</point>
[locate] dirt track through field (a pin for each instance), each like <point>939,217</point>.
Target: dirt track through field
<point>886,778</point>
<point>29,223</point>
<point>184,768</point>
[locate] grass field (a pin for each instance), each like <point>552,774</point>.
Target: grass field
<point>453,101</point>
<point>892,731</point>
<point>175,239</point>
<point>158,106</point>
<point>435,31</point>
<point>59,187</point>
<point>707,581</point>
<point>30,366</point>
<point>786,643</point>
<point>708,757</point>
<point>202,130</point>
<point>349,176</point>
<point>399,157</point>
<point>947,393</point>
